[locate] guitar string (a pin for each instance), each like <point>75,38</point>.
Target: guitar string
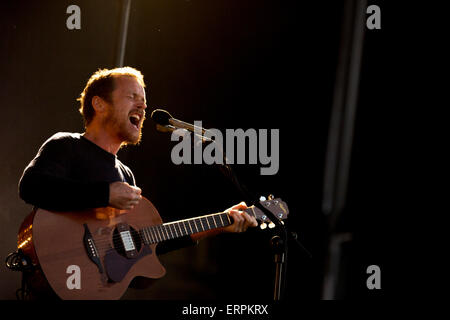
<point>157,232</point>
<point>108,242</point>
<point>167,232</point>
<point>178,228</point>
<point>110,239</point>
<point>162,232</point>
<point>104,244</point>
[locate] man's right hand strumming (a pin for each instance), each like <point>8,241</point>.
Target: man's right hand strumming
<point>123,196</point>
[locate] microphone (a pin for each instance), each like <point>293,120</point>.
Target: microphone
<point>166,123</point>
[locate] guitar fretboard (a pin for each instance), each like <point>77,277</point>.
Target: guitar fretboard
<point>177,229</point>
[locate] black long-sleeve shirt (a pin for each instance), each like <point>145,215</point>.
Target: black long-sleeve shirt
<point>71,173</point>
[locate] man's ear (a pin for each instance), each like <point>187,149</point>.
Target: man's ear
<point>98,104</point>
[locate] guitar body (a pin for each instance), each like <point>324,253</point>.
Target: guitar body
<point>95,254</point>
<point>85,255</point>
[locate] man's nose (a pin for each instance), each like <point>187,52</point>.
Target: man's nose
<point>142,105</point>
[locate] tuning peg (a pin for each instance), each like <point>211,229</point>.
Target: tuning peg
<point>271,225</point>
<point>263,226</point>
<point>262,198</point>
<point>270,197</point>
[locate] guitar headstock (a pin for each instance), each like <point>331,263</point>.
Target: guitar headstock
<point>277,206</point>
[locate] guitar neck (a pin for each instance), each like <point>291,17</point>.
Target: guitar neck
<point>181,228</point>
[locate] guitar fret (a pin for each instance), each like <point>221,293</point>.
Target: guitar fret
<point>177,228</point>
<point>217,223</point>
<point>153,233</point>
<point>214,220</point>
<point>190,227</point>
<point>167,233</point>
<point>143,236</point>
<point>155,230</point>
<point>160,235</point>
<point>171,231</point>
<point>163,232</point>
<point>166,229</point>
<point>201,223</point>
<point>184,226</point>
<point>177,225</point>
<point>160,232</point>
<point>195,222</point>
<point>221,219</point>
<point>147,235</point>
<point>207,221</point>
<point>177,233</point>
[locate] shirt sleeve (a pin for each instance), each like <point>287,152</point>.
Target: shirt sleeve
<point>45,182</point>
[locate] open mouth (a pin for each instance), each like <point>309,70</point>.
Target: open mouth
<point>135,120</point>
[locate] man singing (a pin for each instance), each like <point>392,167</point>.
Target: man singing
<point>74,171</point>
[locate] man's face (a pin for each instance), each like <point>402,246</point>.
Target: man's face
<point>126,113</point>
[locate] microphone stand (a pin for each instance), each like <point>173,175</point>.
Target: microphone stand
<point>279,242</point>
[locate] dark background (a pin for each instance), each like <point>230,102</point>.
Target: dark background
<point>232,64</point>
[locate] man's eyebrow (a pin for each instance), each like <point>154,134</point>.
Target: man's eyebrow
<point>135,94</point>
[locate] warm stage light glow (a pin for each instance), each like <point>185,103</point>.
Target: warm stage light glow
<point>25,233</point>
<point>23,243</point>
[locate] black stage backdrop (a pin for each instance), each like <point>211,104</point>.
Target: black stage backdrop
<point>231,64</point>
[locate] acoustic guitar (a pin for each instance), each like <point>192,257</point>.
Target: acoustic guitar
<point>95,254</point>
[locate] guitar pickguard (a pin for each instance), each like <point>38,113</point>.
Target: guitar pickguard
<point>117,266</point>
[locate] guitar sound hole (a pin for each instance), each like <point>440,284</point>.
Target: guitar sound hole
<point>118,245</point>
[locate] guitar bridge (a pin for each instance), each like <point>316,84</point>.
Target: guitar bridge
<point>91,249</point>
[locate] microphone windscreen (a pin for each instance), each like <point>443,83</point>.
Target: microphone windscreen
<point>161,117</point>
